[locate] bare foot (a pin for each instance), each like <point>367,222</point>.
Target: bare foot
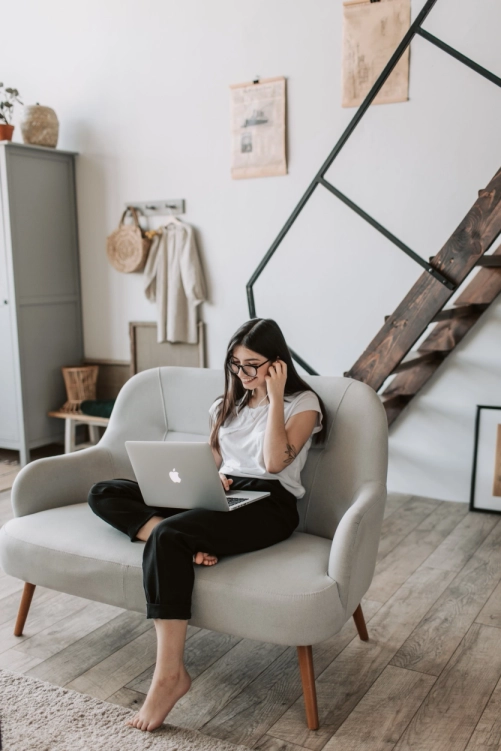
<point>205,558</point>
<point>164,692</point>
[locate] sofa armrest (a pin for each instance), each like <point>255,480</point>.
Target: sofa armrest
<point>352,559</point>
<point>60,480</point>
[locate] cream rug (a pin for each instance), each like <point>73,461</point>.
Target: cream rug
<point>37,716</point>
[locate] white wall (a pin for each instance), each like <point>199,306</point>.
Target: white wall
<point>141,91</point>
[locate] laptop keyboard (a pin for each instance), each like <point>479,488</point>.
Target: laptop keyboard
<point>235,499</point>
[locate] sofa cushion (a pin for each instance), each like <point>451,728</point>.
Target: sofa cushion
<point>280,594</point>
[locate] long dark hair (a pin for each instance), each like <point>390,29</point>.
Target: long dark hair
<point>261,335</point>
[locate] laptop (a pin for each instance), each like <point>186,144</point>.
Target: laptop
<point>183,475</point>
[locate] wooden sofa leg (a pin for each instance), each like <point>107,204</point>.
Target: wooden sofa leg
<point>24,607</point>
<point>359,619</point>
<point>305,657</point>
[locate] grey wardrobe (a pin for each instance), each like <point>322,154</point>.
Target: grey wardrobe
<point>40,301</point>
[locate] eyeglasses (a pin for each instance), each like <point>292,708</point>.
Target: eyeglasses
<point>248,370</point>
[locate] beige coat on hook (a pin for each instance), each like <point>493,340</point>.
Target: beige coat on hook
<point>173,276</point>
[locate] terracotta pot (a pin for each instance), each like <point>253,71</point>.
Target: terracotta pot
<point>6,132</point>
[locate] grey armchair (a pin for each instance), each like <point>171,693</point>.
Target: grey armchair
<point>298,592</point>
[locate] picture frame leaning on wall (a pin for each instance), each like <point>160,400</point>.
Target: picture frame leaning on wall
<point>485,492</point>
<point>146,352</point>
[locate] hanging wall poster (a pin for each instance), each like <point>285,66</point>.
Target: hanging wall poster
<point>257,112</point>
<point>371,33</point>
<point>486,475</point>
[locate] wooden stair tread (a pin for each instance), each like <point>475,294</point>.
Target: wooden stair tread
<point>436,356</point>
<point>461,311</point>
<point>491,261</point>
<point>387,399</point>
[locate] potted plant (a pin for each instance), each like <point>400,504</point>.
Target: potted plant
<point>7,98</point>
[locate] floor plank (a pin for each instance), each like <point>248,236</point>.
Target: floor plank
<point>86,618</point>
<point>433,641</point>
<point>44,617</point>
<point>490,615</point>
<point>72,661</point>
<point>9,605</point>
<point>125,697</point>
<point>268,743</point>
<point>450,712</point>
<point>453,553</point>
<point>120,667</point>
<point>487,733</point>
<point>396,567</point>
<point>402,521</point>
<point>394,501</point>
<point>17,661</point>
<point>382,715</point>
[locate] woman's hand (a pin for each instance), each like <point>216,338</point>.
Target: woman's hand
<point>226,482</point>
<point>275,380</point>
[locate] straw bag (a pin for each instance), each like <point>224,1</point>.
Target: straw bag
<point>128,246</point>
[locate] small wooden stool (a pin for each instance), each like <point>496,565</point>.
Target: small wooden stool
<point>72,419</point>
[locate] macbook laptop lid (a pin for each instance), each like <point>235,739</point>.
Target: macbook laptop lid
<point>183,474</point>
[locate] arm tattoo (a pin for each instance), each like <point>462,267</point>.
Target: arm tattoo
<point>291,453</point>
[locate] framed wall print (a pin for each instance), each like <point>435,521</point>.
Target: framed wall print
<point>146,352</point>
<point>486,474</point>
<point>371,33</point>
<point>258,143</point>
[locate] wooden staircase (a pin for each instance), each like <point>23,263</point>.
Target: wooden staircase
<point>424,305</point>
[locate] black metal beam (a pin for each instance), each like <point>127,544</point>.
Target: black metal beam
<point>418,259</point>
<point>303,363</point>
<point>283,232</point>
<point>459,56</point>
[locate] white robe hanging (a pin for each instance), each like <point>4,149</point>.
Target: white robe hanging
<point>173,276</point>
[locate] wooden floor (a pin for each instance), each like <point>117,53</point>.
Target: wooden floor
<point>428,679</point>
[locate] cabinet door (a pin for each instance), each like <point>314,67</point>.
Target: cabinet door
<point>46,272</point>
<point>9,415</point>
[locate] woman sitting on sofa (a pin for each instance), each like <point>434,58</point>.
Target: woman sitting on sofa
<point>261,430</point>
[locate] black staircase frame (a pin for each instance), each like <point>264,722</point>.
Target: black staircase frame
<point>319,178</point>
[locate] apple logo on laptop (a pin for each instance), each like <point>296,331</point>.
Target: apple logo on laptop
<point>174,476</point>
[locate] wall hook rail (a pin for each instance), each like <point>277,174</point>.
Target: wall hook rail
<point>159,208</point>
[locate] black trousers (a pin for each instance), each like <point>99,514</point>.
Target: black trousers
<point>168,567</point>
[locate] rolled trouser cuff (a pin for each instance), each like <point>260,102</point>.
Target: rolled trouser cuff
<point>180,610</point>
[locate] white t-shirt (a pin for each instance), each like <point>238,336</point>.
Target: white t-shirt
<point>242,441</point>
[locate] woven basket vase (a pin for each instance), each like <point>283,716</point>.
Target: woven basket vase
<point>128,247</point>
<point>80,385</point>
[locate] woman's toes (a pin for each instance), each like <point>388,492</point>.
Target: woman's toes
<point>210,560</point>
<point>205,558</point>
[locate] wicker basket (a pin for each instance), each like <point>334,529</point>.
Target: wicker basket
<point>80,384</point>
